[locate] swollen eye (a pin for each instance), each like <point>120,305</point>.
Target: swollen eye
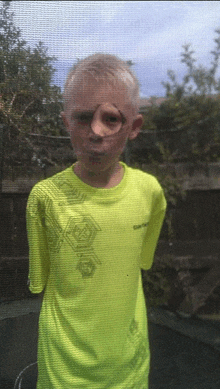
<point>107,120</point>
<point>111,119</point>
<point>84,118</point>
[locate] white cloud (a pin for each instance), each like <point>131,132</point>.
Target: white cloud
<point>46,17</point>
<point>152,32</point>
<point>133,29</point>
<point>195,26</point>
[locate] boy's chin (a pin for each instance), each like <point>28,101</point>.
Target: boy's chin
<point>96,165</point>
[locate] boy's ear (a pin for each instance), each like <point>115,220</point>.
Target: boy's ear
<point>136,127</point>
<point>65,120</point>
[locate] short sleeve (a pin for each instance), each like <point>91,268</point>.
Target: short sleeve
<point>153,230</point>
<point>37,241</point>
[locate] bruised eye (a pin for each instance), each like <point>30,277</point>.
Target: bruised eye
<point>110,119</point>
<point>82,118</point>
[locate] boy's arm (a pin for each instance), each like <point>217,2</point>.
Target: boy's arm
<point>37,241</point>
<point>153,232</point>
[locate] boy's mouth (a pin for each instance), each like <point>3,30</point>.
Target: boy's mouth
<point>96,153</point>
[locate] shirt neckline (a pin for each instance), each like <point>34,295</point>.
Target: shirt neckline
<point>104,193</point>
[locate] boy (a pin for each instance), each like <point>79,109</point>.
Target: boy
<point>91,228</point>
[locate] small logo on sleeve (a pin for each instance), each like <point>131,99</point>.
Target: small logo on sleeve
<point>137,226</point>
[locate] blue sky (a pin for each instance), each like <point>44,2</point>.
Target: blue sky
<point>150,33</point>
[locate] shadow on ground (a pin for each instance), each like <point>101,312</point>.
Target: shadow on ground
<point>179,362</point>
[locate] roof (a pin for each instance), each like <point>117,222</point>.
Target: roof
<point>147,102</point>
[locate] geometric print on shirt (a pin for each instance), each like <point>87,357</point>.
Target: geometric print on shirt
<point>79,232</point>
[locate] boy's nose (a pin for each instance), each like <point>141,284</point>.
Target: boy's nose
<point>98,127</point>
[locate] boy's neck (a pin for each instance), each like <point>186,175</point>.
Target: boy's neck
<point>106,179</point>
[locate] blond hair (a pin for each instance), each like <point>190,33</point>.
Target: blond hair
<point>104,67</point>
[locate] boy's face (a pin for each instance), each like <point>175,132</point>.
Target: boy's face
<point>100,119</point>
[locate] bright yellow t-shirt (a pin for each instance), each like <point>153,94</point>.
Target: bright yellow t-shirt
<point>87,247</point>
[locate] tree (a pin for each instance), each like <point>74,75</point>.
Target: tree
<point>29,103</point>
<point>193,109</point>
<point>183,128</point>
<point>130,62</point>
<point>187,124</point>
<point>198,80</point>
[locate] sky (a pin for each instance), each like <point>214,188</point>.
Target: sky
<point>150,33</point>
